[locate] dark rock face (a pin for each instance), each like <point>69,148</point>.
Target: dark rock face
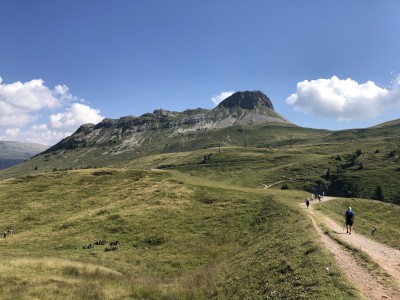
<point>247,100</point>
<point>85,128</point>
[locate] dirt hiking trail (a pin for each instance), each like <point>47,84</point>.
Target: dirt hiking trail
<point>371,285</point>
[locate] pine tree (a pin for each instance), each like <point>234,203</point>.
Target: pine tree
<point>378,194</point>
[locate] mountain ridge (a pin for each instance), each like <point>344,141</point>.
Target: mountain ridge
<point>242,108</point>
<point>12,152</point>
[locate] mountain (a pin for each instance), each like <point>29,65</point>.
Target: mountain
<point>131,133</point>
<point>389,123</point>
<point>245,118</point>
<point>12,153</point>
<point>247,100</point>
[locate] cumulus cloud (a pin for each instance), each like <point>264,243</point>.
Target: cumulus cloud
<point>222,96</point>
<point>74,116</point>
<point>33,112</point>
<point>345,99</point>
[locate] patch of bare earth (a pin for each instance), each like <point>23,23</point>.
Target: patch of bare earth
<point>369,284</point>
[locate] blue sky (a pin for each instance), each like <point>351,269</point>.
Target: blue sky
<point>324,64</point>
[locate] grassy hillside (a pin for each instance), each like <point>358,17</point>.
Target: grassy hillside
<point>369,214</point>
<point>179,236</point>
<point>345,168</point>
<point>348,163</point>
<point>109,153</point>
<point>333,168</point>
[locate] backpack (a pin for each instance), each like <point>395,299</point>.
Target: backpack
<point>350,215</point>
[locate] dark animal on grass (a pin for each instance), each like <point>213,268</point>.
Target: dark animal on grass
<point>115,243</point>
<point>100,242</point>
<point>111,249</point>
<point>373,230</point>
<point>90,246</point>
<point>9,231</point>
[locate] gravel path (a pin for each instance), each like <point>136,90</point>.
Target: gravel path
<point>370,286</point>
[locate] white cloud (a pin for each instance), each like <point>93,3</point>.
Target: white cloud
<point>12,132</point>
<point>222,96</point>
<point>345,99</point>
<point>74,116</point>
<point>23,104</point>
<point>30,96</point>
<point>20,102</point>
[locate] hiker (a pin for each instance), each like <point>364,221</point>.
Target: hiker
<point>349,219</point>
<point>307,202</point>
<point>319,198</point>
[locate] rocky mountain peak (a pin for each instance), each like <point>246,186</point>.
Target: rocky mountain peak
<point>164,113</point>
<point>247,100</point>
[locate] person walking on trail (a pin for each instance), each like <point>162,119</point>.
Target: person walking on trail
<point>349,219</point>
<point>307,202</point>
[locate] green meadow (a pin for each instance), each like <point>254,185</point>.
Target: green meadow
<point>180,237</point>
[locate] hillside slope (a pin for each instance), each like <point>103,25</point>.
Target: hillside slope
<point>179,237</point>
<point>305,159</point>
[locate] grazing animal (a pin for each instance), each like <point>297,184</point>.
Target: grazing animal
<point>115,243</point>
<point>5,234</point>
<point>373,230</point>
<point>90,246</point>
<point>111,249</point>
<point>9,231</point>
<point>100,242</point>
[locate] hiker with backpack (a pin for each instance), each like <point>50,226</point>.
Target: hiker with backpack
<point>349,219</point>
<point>307,202</point>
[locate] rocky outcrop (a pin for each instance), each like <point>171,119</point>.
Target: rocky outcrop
<point>247,100</point>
